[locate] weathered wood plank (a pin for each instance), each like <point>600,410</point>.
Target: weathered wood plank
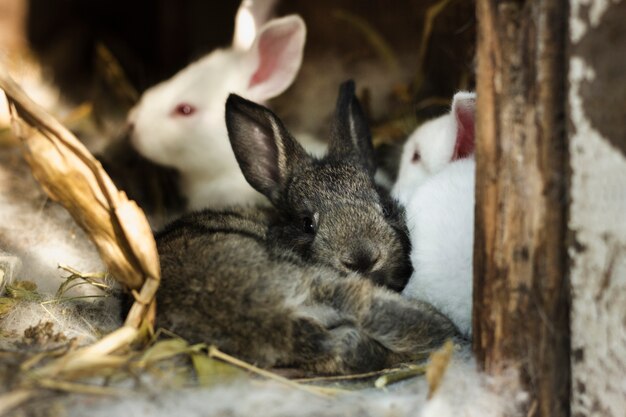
<point>521,295</point>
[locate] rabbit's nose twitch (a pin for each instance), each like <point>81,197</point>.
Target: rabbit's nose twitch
<point>361,260</point>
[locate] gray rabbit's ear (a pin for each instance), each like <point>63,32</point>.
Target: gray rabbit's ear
<point>265,151</point>
<point>350,133</point>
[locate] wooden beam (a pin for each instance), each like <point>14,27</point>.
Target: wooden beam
<point>521,294</point>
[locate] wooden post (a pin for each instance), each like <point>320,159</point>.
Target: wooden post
<point>521,294</point>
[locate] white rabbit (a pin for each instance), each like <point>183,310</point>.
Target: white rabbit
<point>436,185</point>
<point>436,143</point>
<point>440,218</point>
<point>180,122</point>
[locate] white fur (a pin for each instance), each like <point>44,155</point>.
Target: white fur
<point>440,217</point>
<point>434,141</point>
<point>198,145</point>
<point>438,194</point>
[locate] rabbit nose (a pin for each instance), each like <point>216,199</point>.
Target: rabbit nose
<point>361,260</point>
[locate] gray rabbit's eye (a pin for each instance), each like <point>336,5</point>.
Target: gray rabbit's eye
<point>308,225</point>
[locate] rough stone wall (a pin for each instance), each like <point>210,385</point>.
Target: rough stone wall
<point>597,131</point>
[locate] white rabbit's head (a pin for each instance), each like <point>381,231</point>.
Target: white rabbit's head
<point>435,144</point>
<point>180,122</point>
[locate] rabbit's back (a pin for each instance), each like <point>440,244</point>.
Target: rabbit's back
<point>440,217</point>
<point>222,284</point>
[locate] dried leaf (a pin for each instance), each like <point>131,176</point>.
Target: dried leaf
<point>163,350</point>
<point>210,371</point>
<point>25,285</point>
<point>23,290</point>
<point>134,226</point>
<point>437,367</point>
<point>6,305</point>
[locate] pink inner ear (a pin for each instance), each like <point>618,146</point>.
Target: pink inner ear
<point>464,146</point>
<point>271,49</point>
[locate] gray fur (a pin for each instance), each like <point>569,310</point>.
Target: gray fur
<point>260,285</point>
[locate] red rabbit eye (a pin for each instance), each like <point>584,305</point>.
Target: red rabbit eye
<point>184,109</point>
<point>416,157</point>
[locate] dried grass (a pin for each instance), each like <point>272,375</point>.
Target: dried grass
<point>113,74</point>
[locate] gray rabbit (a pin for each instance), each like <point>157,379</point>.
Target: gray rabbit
<point>307,283</point>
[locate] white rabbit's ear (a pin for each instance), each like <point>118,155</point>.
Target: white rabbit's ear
<point>464,109</point>
<point>252,14</point>
<point>276,55</point>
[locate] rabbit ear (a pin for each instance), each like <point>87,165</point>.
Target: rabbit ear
<point>265,151</point>
<point>252,14</point>
<point>350,134</point>
<point>276,56</point>
<point>463,109</point>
